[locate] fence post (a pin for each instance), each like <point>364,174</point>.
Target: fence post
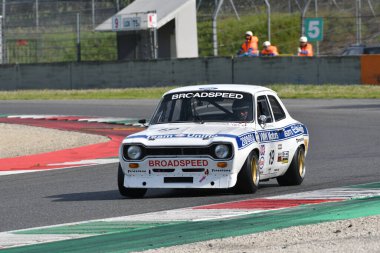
<point>268,19</point>
<point>78,38</point>
<point>93,14</point>
<point>358,22</point>
<point>214,27</point>
<point>304,11</point>
<point>37,15</point>
<point>1,40</point>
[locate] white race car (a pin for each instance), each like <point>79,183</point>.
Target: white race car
<point>214,136</point>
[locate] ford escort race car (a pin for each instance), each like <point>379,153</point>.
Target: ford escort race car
<point>214,136</point>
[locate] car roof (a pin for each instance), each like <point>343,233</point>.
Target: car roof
<point>230,87</point>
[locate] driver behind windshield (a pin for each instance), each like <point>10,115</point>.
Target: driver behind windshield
<point>241,109</point>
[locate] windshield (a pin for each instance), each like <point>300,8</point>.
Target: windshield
<point>204,106</point>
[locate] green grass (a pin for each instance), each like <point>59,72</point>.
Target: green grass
<point>327,91</point>
<point>60,46</point>
<point>284,91</point>
<point>129,93</point>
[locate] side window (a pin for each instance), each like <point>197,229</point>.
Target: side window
<point>278,112</point>
<point>263,108</point>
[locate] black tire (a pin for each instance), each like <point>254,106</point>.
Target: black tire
<point>128,192</point>
<point>296,171</point>
<point>249,175</point>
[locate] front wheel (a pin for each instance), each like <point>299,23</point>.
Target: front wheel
<point>296,171</point>
<point>249,175</point>
<point>128,192</point>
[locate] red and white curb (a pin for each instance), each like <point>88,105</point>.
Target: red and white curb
<point>65,165</point>
<point>113,120</point>
<point>96,154</point>
<point>199,213</point>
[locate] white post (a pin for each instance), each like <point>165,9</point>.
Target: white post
<point>358,22</point>
<point>234,8</point>
<point>1,40</point>
<point>93,14</point>
<point>118,5</point>
<point>214,27</point>
<point>316,15</point>
<point>268,19</point>
<point>304,11</point>
<point>4,8</point>
<point>37,16</point>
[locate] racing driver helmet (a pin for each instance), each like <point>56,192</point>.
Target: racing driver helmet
<point>241,109</point>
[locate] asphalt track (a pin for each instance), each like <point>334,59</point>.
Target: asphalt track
<point>344,150</point>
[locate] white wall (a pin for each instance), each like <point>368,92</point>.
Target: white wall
<point>186,31</point>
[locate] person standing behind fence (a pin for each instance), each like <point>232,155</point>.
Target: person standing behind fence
<point>250,46</point>
<point>268,49</point>
<point>305,49</point>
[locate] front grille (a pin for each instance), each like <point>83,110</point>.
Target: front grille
<point>177,151</point>
<point>163,170</point>
<point>193,170</point>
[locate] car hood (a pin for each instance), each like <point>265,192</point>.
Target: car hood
<point>190,134</point>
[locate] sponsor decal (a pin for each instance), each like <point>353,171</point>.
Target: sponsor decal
<point>283,157</point>
<point>269,136</point>
<point>300,140</point>
<point>201,136</point>
<point>204,176</point>
<point>261,163</point>
<point>136,171</point>
<point>297,129</point>
<point>262,150</point>
<point>177,163</point>
<point>168,136</point>
<point>271,157</point>
<point>288,132</point>
<point>204,94</point>
<point>246,139</point>
<point>279,147</point>
<point>220,170</point>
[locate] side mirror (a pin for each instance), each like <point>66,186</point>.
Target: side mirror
<point>143,122</point>
<point>262,120</point>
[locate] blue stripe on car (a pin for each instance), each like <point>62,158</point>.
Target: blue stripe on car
<point>243,140</point>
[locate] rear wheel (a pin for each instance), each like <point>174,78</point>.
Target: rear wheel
<point>249,175</point>
<point>296,171</point>
<point>128,192</point>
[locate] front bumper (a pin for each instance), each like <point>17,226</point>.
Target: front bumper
<point>184,172</point>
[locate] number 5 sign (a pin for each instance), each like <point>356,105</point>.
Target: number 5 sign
<point>313,28</point>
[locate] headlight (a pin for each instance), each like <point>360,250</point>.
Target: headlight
<point>221,151</point>
<point>134,152</point>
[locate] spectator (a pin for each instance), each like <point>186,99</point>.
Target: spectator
<point>305,49</point>
<point>268,49</point>
<point>250,46</point>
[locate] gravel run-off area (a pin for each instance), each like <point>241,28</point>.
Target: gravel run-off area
<point>20,140</point>
<point>355,235</point>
